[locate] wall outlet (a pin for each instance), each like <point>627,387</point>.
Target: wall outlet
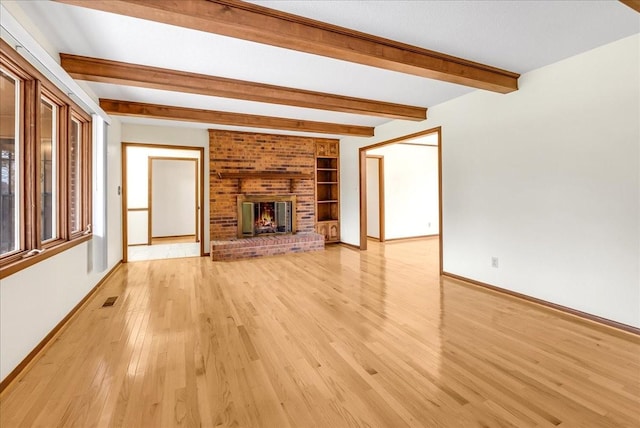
<point>494,262</point>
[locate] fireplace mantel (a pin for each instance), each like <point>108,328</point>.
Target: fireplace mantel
<point>266,174</point>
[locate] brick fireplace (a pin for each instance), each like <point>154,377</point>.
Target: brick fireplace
<point>261,168</point>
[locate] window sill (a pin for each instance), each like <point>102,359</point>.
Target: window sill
<point>21,264</point>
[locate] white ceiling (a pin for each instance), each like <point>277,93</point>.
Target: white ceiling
<point>518,36</point>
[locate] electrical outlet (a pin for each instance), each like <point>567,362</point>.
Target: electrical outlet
<point>494,262</point>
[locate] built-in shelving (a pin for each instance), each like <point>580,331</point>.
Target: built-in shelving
<point>328,190</point>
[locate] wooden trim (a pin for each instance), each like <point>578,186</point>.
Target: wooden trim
<point>404,138</point>
<point>125,144</point>
<point>84,157</point>
<point>62,152</point>
<point>106,71</point>
<point>633,4</point>
<point>362,166</point>
<point>201,200</point>
<point>87,152</point>
<point>129,108</point>
<point>48,339</point>
<point>413,238</point>
<point>349,246</point>
<point>124,204</point>
<point>149,199</point>
<point>259,24</point>
<point>20,263</point>
<point>196,194</point>
<point>34,87</point>
<point>137,209</point>
<point>420,145</point>
<point>161,146</point>
<point>381,197</point>
<point>558,309</point>
<point>363,182</point>
<point>31,161</point>
<point>175,236</point>
<point>440,212</point>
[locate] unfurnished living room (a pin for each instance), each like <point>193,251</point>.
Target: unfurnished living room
<point>319,213</point>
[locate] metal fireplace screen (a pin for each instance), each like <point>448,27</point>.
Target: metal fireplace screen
<point>260,218</point>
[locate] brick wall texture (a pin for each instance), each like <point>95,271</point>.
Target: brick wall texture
<point>233,152</point>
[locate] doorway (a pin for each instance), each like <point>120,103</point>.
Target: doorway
<point>412,207</point>
<point>162,201</point>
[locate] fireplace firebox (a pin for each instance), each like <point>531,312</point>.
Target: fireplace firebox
<point>266,215</point>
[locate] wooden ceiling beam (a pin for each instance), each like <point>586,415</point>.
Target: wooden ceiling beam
<point>633,4</point>
<point>156,111</point>
<point>259,24</point>
<point>106,71</point>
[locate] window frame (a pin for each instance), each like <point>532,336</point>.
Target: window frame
<point>58,167</point>
<point>35,87</point>
<point>85,158</point>
<point>18,130</point>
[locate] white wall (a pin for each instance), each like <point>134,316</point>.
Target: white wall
<point>174,197</point>
<point>172,136</point>
<point>34,300</point>
<point>411,190</point>
<point>547,179</point>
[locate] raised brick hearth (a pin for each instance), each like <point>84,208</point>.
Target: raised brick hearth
<point>261,246</point>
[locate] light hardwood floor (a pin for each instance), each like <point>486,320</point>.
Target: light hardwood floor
<point>339,338</point>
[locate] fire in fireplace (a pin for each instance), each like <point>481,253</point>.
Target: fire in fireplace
<point>259,215</point>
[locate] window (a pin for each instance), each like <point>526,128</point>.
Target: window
<point>9,170</point>
<point>48,170</point>
<point>75,176</point>
<point>45,152</point>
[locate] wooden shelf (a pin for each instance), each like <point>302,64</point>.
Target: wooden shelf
<point>266,174</point>
<point>328,190</point>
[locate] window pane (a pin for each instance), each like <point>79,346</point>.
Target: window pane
<point>48,173</point>
<point>9,165</point>
<point>75,179</point>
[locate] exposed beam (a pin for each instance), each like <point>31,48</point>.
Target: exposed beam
<point>259,24</point>
<point>633,4</point>
<point>106,71</point>
<point>128,108</point>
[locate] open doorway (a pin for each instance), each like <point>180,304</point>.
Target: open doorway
<point>400,188</point>
<point>375,197</point>
<point>162,201</point>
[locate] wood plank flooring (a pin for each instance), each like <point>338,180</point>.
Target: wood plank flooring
<point>339,338</point>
